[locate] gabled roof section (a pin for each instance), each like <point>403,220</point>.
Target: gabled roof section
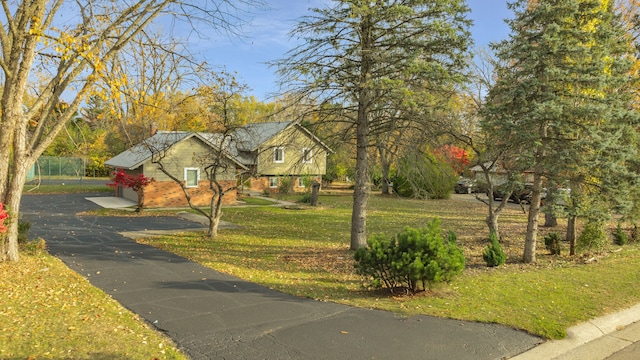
<point>214,140</point>
<point>251,136</point>
<point>161,142</point>
<point>138,154</point>
<point>311,135</point>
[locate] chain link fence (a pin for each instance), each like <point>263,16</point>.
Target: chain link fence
<point>54,166</point>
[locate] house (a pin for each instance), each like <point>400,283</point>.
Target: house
<point>181,154</point>
<point>261,157</point>
<point>280,154</point>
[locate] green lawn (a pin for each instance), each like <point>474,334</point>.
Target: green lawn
<point>65,189</point>
<point>305,252</point>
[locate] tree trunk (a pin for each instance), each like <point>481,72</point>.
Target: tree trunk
<point>140,193</point>
<point>361,190</point>
<point>492,222</point>
<point>385,166</point>
<point>362,186</point>
<point>215,210</point>
<point>492,218</point>
<point>550,220</point>
<point>532,223</point>
<point>214,223</point>
<point>9,244</point>
<point>384,185</point>
<point>315,189</point>
<point>571,234</point>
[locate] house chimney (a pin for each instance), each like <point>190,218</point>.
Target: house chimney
<point>153,129</point>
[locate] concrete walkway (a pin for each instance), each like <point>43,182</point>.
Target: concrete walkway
<point>216,316</point>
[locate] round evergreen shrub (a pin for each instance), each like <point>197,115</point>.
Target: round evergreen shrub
<point>620,237</point>
<point>552,243</point>
<point>412,259</point>
<point>593,237</point>
<point>494,255</point>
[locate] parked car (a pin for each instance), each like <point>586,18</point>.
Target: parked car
<point>521,193</point>
<point>465,186</point>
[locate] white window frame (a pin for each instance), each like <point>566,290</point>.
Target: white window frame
<point>274,181</point>
<point>302,182</point>
<point>277,150</point>
<point>186,182</point>
<point>307,159</point>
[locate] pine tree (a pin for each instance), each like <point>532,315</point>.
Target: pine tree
<point>563,98</point>
<point>372,59</point>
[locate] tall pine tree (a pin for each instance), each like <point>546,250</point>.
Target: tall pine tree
<point>369,59</point>
<point>563,98</point>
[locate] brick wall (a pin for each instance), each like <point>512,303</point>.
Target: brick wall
<point>166,194</point>
<point>261,184</point>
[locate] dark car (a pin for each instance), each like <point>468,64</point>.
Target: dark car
<point>465,186</point>
<point>521,193</point>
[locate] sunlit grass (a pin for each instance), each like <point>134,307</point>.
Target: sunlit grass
<point>305,253</point>
<point>65,189</point>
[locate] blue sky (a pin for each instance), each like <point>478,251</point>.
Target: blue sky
<point>267,39</point>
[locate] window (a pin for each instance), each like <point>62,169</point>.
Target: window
<point>191,177</point>
<point>302,182</point>
<point>307,156</point>
<point>278,155</point>
<point>273,182</point>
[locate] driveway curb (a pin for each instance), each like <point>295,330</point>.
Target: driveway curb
<point>583,338</point>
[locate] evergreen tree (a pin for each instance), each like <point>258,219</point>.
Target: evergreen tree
<point>372,57</point>
<point>563,98</point>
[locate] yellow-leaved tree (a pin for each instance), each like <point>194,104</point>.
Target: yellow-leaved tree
<point>68,44</point>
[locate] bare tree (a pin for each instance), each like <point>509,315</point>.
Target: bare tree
<point>462,126</point>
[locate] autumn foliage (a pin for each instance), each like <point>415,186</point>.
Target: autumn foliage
<point>3,216</point>
<point>457,157</point>
<point>136,183</point>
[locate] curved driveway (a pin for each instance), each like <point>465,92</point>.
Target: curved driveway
<point>216,316</point>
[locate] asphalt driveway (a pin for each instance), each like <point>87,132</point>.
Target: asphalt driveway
<point>216,316</point>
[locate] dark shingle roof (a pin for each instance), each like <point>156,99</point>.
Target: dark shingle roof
<point>135,156</point>
<point>251,136</point>
<point>244,141</point>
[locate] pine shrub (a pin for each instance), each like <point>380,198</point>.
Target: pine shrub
<point>552,243</point>
<point>410,260</point>
<point>23,231</point>
<point>593,237</point>
<point>620,237</point>
<point>494,255</point>
<point>285,185</point>
<point>306,198</point>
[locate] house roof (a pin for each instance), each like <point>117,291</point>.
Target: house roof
<point>244,140</point>
<point>251,136</point>
<point>158,143</point>
<point>138,154</point>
